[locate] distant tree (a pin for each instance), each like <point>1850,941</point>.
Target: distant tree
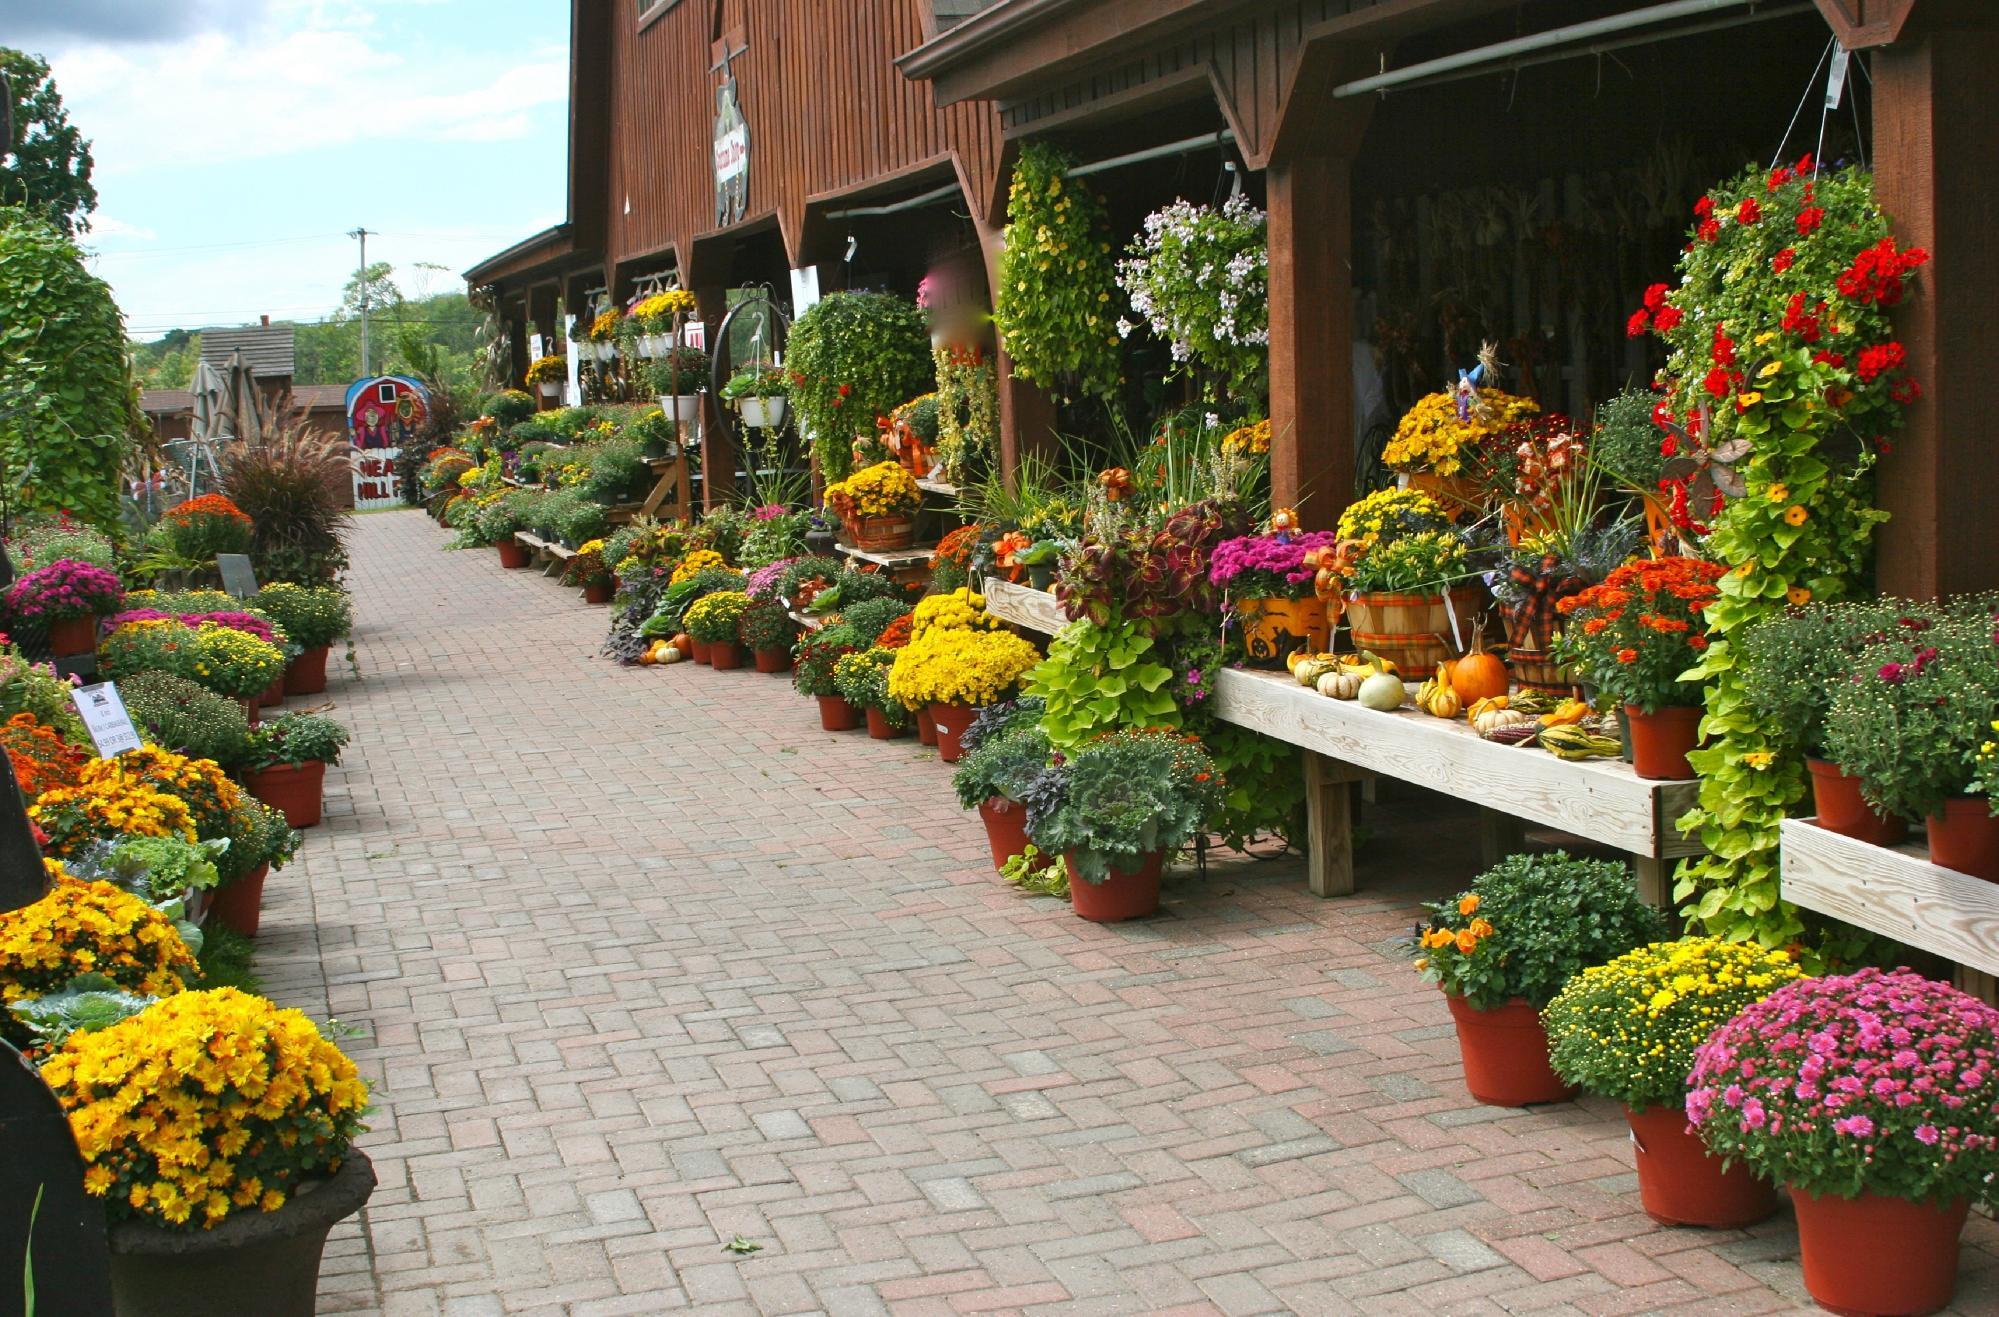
<point>167,362</point>
<point>383,294</point>
<point>45,162</point>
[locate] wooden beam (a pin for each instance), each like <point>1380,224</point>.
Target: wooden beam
<point>1311,337</point>
<point>1892,891</point>
<point>1936,130</point>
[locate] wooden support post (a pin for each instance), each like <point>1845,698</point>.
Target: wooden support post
<point>1499,835</point>
<point>1936,130</point>
<point>1655,885</point>
<point>718,443</point>
<point>1026,412</point>
<point>1329,826</point>
<point>1311,337</point>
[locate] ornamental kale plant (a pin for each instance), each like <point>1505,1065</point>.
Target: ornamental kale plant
<point>1124,796</point>
<point>1003,765</point>
<point>1201,279</point>
<point>1875,1082</point>
<point>1528,925</point>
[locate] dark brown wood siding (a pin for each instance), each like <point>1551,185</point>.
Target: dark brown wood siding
<point>828,114</point>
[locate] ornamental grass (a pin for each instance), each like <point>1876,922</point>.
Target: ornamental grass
<point>1628,1030</point>
<point>205,1104</point>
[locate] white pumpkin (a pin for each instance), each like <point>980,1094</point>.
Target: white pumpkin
<point>1383,692</point>
<point>1339,685</point>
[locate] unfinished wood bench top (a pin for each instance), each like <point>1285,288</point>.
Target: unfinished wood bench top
<point>1602,800</point>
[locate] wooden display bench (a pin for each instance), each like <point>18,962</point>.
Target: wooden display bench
<point>910,567</point>
<point>674,483</point>
<point>1601,800</point>
<point>548,555</point>
<point>1895,891</point>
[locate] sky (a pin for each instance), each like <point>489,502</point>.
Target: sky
<point>239,141</point>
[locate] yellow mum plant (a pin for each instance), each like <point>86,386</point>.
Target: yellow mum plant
<point>885,489</point>
<point>87,928</point>
<point>963,609</point>
<point>696,562</point>
<point>659,311</point>
<point>206,1103</point>
<point>959,666</point>
<point>1628,1029</point>
<point>107,806</point>
<point>1431,437</point>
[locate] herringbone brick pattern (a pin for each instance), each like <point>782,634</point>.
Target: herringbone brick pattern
<point>643,961</point>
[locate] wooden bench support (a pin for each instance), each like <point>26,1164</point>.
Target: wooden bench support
<point>1329,825</point>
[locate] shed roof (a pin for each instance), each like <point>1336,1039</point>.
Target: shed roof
<point>159,402</point>
<point>270,350</point>
<point>319,397</point>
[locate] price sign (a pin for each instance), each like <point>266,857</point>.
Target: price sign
<point>238,576</point>
<point>104,716</point>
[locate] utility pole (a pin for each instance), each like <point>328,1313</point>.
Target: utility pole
<point>362,234</point>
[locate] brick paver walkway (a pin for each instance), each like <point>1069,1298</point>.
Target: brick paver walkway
<point>645,961</point>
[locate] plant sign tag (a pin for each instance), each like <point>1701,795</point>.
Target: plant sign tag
<point>103,713</point>
<point>238,576</point>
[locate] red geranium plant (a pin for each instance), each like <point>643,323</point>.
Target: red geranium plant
<point>1640,630</point>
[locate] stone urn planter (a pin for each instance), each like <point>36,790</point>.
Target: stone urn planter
<point>264,1264</point>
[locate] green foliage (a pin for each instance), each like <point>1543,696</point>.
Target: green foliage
<point>1910,719</point>
<point>258,835</point>
<point>160,869</point>
<point>803,570</point>
<point>617,468</point>
<point>1057,301</point>
<point>680,372</point>
<point>310,615</point>
<point>1123,796</point>
<point>861,678</point>
<point>177,714</point>
<point>31,688</point>
<point>1793,662</point>
<point>1200,277</point>
<point>48,162</point>
<point>65,393</point>
<point>90,1002</point>
<point>293,739</point>
<point>766,625</point>
<point>855,357</point>
<point>37,543</point>
<point>1001,765</point>
<point>1036,873</point>
<point>227,960</point>
<point>871,617</point>
<point>1263,792</point>
<point>1101,678</point>
<point>509,407</point>
<point>817,654</point>
<point>1625,443</point>
<point>1528,925</point>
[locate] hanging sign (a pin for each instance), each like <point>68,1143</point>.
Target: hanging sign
<point>238,576</point>
<point>104,717</point>
<point>383,415</point>
<point>732,149</point>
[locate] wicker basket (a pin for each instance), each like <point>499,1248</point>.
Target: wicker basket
<point>881,534</point>
<point>1413,631</point>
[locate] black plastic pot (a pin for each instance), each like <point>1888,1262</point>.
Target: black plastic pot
<point>266,1263</point>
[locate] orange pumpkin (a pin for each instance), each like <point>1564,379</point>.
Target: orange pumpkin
<point>1479,675</point>
<point>682,643</point>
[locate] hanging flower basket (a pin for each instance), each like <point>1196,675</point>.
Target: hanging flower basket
<point>762,413</point>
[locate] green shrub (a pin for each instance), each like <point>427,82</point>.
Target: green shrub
<point>854,357</point>
<point>292,739</point>
<point>310,615</point>
<point>177,714</point>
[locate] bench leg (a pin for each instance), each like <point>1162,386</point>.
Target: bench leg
<point>1329,816</point>
<point>1655,887</point>
<point>1499,835</point>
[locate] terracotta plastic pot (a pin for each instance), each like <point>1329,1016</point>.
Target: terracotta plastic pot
<point>1456,495</point>
<point>926,726</point>
<point>1273,627</point>
<point>836,715</point>
<point>1875,1254</point>
<point>1132,894</point>
<point>1505,1052</point>
<point>274,694</point>
<point>881,729</point>
<point>1841,808</point>
<point>239,906</point>
<point>951,720</point>
<point>513,553</point>
<point>73,636</point>
<point>265,1262</point>
<point>1682,1184</point>
<point>772,660</point>
<point>298,792</point>
<point>1006,828</point>
<point>725,656</point>
<point>598,592</point>
<point>1660,741</point>
<point>699,648</point>
<point>1965,837</point>
<point>306,674</point>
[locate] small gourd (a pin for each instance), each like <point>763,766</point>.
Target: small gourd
<point>1437,698</point>
<point>672,654</point>
<point>1493,720</point>
<point>1309,670</point>
<point>1382,692</point>
<point>682,643</point>
<point>1340,684</point>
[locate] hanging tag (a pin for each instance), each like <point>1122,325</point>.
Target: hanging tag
<point>104,717</point>
<point>1451,612</point>
<point>1835,81</point>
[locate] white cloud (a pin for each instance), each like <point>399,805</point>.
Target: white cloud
<point>314,75</point>
<point>108,226</point>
